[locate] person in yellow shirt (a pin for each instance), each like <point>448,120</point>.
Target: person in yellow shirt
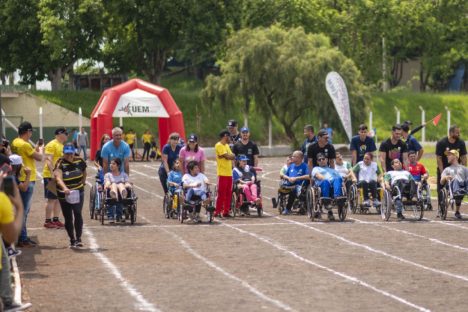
<point>147,137</point>
<point>224,158</point>
<point>30,155</point>
<point>52,152</point>
<point>130,139</point>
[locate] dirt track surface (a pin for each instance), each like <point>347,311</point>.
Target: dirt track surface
<point>248,263</point>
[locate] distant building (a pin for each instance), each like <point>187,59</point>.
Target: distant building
<point>98,82</point>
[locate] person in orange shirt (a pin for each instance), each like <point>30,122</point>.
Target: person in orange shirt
<point>224,158</point>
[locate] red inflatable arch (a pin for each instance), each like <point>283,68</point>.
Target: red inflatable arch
<point>135,98</point>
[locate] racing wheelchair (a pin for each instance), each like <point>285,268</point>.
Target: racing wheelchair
<point>356,199</point>
<point>448,199</point>
<point>316,203</point>
<point>129,205</point>
<point>96,203</point>
<point>299,205</point>
<point>190,209</point>
<point>415,207</point>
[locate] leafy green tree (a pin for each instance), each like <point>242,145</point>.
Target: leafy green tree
<point>283,72</point>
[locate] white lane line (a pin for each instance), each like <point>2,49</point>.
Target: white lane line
<point>245,284</point>
<point>145,175</point>
<point>434,240</point>
<point>340,274</point>
<point>141,303</point>
<point>377,251</point>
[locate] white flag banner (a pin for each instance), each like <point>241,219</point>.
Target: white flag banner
<point>336,88</point>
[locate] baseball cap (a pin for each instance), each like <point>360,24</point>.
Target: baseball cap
<point>193,138</point>
<point>224,133</point>
<point>322,132</point>
<point>4,160</point>
<point>244,129</point>
<point>455,153</point>
<point>321,155</point>
<point>24,127</point>
<point>232,123</point>
<point>16,160</point>
<point>242,157</point>
<point>69,149</point>
<point>61,130</point>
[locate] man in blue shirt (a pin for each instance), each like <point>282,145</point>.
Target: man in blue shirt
<point>297,173</point>
<point>309,139</point>
<point>361,144</point>
<point>325,177</point>
<point>411,142</point>
<point>116,148</point>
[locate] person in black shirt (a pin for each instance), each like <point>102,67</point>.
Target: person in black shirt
<point>246,147</point>
<point>452,142</point>
<point>321,146</point>
<point>233,133</point>
<point>393,148</point>
<point>310,138</point>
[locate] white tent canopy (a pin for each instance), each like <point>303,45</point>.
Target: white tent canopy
<point>139,103</point>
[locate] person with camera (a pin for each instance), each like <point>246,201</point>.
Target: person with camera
<point>11,221</point>
<point>30,155</point>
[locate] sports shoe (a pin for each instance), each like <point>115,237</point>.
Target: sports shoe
<point>25,244</point>
<point>286,211</point>
<point>58,224</point>
<point>72,244</point>
<point>50,225</point>
<point>458,215</point>
<point>12,307</point>
<point>331,217</point>
<point>13,252</point>
<point>400,216</point>
<point>78,243</point>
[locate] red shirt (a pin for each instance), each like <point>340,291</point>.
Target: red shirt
<point>417,171</point>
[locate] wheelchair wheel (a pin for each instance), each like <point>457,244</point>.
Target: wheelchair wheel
<point>342,211</point>
<point>353,198</point>
<point>233,210</point>
<point>281,202</point>
<point>92,201</point>
<point>443,204</point>
<point>103,212</point>
<point>99,205</point>
<point>313,207</point>
<point>386,209</point>
<point>133,212</point>
<point>166,204</point>
<point>182,215</point>
<point>426,197</point>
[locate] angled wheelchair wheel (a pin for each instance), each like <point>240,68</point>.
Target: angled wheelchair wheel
<point>259,211</point>
<point>233,210</point>
<point>353,198</point>
<point>342,211</point>
<point>166,204</point>
<point>443,204</point>
<point>133,213</point>
<point>309,204</point>
<point>103,212</point>
<point>281,202</point>
<point>183,214</point>
<point>426,197</point>
<point>92,201</point>
<point>386,209</point>
<point>315,205</point>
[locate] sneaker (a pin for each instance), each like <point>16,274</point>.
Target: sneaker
<point>400,216</point>
<point>78,243</point>
<point>72,244</point>
<point>331,217</point>
<point>13,252</point>
<point>12,307</point>
<point>458,215</point>
<point>286,211</point>
<point>25,244</point>
<point>59,224</point>
<point>50,225</point>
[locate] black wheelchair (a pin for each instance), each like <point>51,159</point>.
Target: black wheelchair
<point>191,209</point>
<point>415,207</point>
<point>316,203</point>
<point>129,205</point>
<point>240,204</point>
<point>448,199</point>
<point>299,205</point>
<point>96,203</point>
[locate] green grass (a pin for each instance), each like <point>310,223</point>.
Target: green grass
<point>207,121</point>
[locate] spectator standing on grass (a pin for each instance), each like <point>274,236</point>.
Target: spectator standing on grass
<point>224,158</point>
<point>83,142</point>
<point>329,131</point>
<point>234,134</point>
<point>361,144</point>
<point>309,139</point>
<point>443,146</point>
<point>74,136</point>
<point>30,155</point>
<point>247,147</point>
<point>52,152</point>
<point>70,173</point>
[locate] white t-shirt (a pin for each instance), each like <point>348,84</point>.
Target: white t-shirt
<point>396,175</point>
<point>343,169</point>
<point>121,178</point>
<point>458,172</point>
<point>367,173</point>
<point>199,178</point>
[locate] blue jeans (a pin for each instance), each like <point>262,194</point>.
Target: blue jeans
<point>115,210</point>
<point>191,192</point>
<point>82,148</point>
<point>26,199</point>
<point>325,186</point>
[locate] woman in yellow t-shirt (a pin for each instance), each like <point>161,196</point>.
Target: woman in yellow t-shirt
<point>130,139</point>
<point>147,137</point>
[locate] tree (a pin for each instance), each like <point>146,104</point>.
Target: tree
<point>283,71</point>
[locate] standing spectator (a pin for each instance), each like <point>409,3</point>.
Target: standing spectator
<point>224,158</point>
<point>321,147</point>
<point>147,138</point>
<point>116,148</point>
<point>411,143</point>
<point>329,131</point>
<point>452,142</point>
<point>247,147</point>
<point>393,148</point>
<point>233,133</point>
<point>53,151</point>
<point>30,155</point>
<point>70,192</point>
<point>309,139</point>
<point>74,136</point>
<point>361,144</point>
<point>192,152</point>
<point>130,140</point>
<point>11,222</point>
<point>170,153</point>
<point>83,142</point>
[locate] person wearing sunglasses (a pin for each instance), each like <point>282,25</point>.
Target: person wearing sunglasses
<point>170,153</point>
<point>326,178</point>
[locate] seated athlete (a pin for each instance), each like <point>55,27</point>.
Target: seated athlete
<point>457,175</point>
<point>296,174</point>
<point>244,177</point>
<point>369,176</point>
<point>417,169</point>
<point>117,182</point>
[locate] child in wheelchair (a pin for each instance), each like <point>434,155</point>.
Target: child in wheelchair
<point>118,187</point>
<point>174,178</point>
<point>244,178</point>
<point>195,186</point>
<point>457,176</point>
<point>401,184</point>
<point>420,176</point>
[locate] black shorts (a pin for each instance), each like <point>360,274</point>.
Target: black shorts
<point>48,194</point>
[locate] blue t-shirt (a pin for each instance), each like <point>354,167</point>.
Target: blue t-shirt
<point>329,173</point>
<point>297,171</point>
<point>171,155</point>
<point>109,151</point>
<point>305,146</point>
<point>174,177</point>
<point>413,144</point>
<point>362,147</point>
